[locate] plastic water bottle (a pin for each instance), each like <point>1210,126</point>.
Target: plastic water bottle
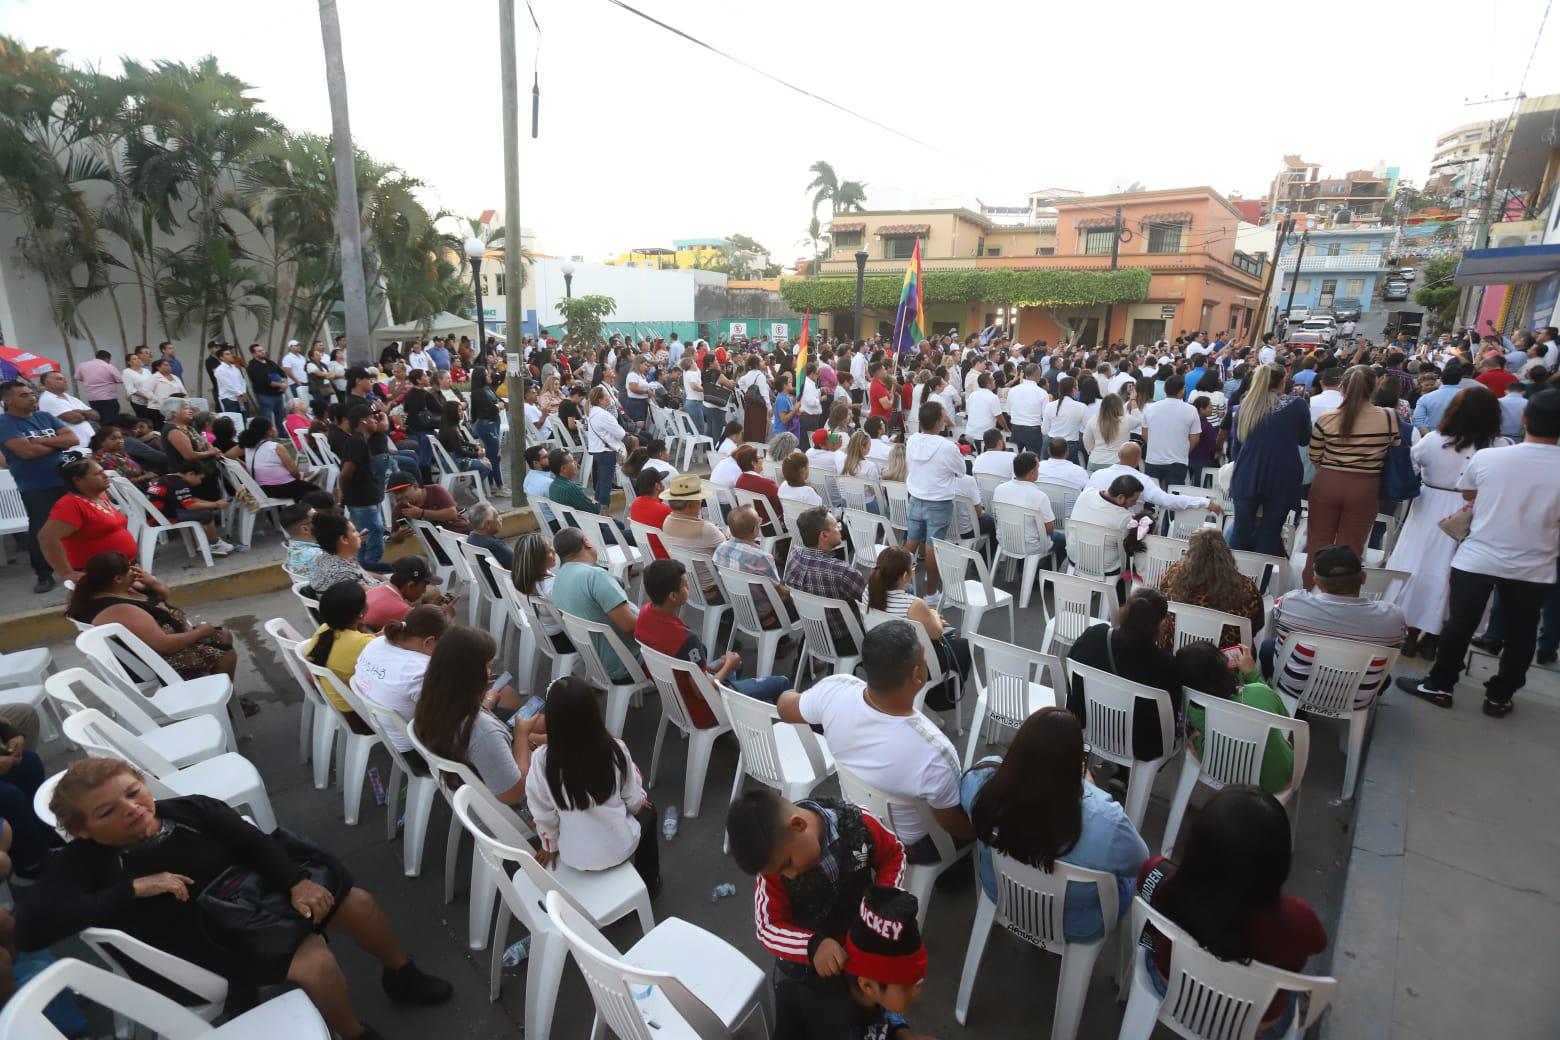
<point>517,952</point>
<point>722,890</point>
<point>669,825</point>
<point>376,784</point>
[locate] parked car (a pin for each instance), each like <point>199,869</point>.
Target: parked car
<point>1346,308</point>
<point>1396,289</point>
<point>1409,273</point>
<point>1303,337</point>
<point>1298,314</point>
<point>1323,325</point>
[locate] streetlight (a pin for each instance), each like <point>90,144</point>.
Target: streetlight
<point>568,280</point>
<point>474,250</point>
<point>861,273</point>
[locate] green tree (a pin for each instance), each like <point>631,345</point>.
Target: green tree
<point>584,317</point>
<point>1436,293</point>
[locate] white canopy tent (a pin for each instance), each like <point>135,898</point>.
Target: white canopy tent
<point>441,325</point>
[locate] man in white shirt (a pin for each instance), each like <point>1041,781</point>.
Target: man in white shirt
<point>1128,460</point>
<point>995,460</point>
<point>858,368</point>
<point>1511,548</point>
<point>983,410</point>
<point>874,730</point>
<point>882,447</point>
<point>1198,345</point>
<point>1269,350</point>
<point>674,350</point>
<point>230,384</point>
<point>57,400</point>
<point>1329,398</point>
<point>972,378</point>
<point>934,467</point>
<point>1024,490</point>
<point>1171,428</point>
<point>1058,468</point>
<point>1026,411</point>
<point>1119,381</point>
<point>295,364</point>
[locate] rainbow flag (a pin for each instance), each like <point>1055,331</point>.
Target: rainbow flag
<point>910,317</point>
<point>801,356</point>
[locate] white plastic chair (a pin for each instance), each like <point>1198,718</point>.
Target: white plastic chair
<point>118,950</point>
<point>352,748</point>
<point>690,441</point>
<point>535,610</point>
<point>935,675</point>
<point>818,642</point>
<point>451,475</point>
<point>989,482</point>
<point>966,519</point>
<point>310,604</point>
<point>122,659</point>
<point>919,878</point>
<point>229,777</point>
<point>1382,583</point>
<point>315,724</point>
<point>786,757</point>
<point>858,491</point>
<point>1205,625</point>
<point>666,672</point>
<point>679,980</point>
<point>489,579</point>
<point>771,519</point>
<point>1235,739</point>
<point>743,592</point>
<point>1207,998</point>
<point>1272,574</point>
<point>291,1015</point>
<point>604,896</point>
<point>619,693</point>
<point>13,513</point>
<point>1387,525</point>
<point>421,788</point>
<point>648,540</point>
<point>898,496</point>
<point>623,562</point>
<point>1159,552</point>
<point>1094,551</point>
<point>1186,522</point>
<point>183,743</point>
<point>435,548</point>
<point>973,597</point>
<point>1336,679</point>
<point>237,477</point>
<point>1062,498</point>
<point>1110,707</point>
<point>870,534</point>
<point>321,470</point>
<point>155,526</point>
<point>1014,526</point>
<point>701,575</point>
<point>1074,604</point>
<point>1010,686</point>
<point>1031,904</point>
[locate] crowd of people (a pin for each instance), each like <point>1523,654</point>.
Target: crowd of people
<point>1293,453</point>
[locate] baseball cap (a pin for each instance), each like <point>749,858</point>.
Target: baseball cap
<point>883,943</point>
<point>1336,561</point>
<point>409,569</point>
<point>402,479</point>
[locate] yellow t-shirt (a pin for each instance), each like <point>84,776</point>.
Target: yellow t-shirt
<point>342,661</point>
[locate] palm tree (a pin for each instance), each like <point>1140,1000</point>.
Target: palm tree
<point>823,185</point>
<point>492,237</point>
<point>842,197</point>
<point>849,197</point>
<point>348,215</point>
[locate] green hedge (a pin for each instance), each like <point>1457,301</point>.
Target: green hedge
<point>1035,288</point>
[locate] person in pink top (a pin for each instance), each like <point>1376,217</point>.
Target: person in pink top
<point>100,382</point>
<point>297,422</point>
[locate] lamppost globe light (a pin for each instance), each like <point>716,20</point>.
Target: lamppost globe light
<point>474,248</point>
<point>568,268</point>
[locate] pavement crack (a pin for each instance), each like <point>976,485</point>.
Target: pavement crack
<point>1485,877</point>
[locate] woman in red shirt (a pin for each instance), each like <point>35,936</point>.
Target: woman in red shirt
<point>83,522</point>
<point>1227,893</point>
<point>752,479</point>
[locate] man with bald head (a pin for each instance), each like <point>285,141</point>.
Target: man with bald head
<point>1057,468</point>
<point>1129,462</point>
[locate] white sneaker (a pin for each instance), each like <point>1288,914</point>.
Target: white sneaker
<point>221,548</point>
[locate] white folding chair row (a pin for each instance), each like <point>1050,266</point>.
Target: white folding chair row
<point>120,658</point>
<point>183,743</point>
<point>971,596</point>
<point>1011,684</point>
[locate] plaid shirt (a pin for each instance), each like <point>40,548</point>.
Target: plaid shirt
<point>824,574</point>
<point>746,557</point>
<point>829,847</point>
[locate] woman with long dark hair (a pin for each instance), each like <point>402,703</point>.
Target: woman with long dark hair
<point>584,790</point>
<point>461,446</point>
<point>1227,892</point>
<point>455,713</point>
<point>1132,651</point>
<point>1038,805</point>
<point>339,641</point>
<point>1349,447</point>
<point>1266,431</point>
<point>888,592</point>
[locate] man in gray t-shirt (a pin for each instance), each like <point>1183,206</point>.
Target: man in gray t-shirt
<point>1333,608</point>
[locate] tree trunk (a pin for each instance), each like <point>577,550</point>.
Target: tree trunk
<point>349,218</point>
<point>119,318</point>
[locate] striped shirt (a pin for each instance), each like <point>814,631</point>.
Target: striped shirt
<point>1363,449</point>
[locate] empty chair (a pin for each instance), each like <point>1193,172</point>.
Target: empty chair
<point>679,975</point>
<point>1031,904</point>
<point>1074,604</point>
<point>1272,574</point>
<point>352,747</point>
<point>316,726</point>
<point>1062,498</point>
<point>746,592</point>
<point>689,440</point>
<point>918,877</point>
<point>1110,708</point>
<point>182,743</point>
<point>672,678</point>
<point>972,596</point>
<point>869,534</point>
<point>122,659</point>
<point>1204,624</point>
<point>229,777</point>
<point>621,561</point>
<point>898,496</point>
<point>859,491</point>
<point>1207,998</point>
<point>818,640</point>
<point>1341,680</point>
<point>786,757</point>
<point>1184,522</point>
<point>1235,742</point>
<point>583,634</point>
<point>1011,684</point>
<point>603,896</point>
<point>290,1015</point>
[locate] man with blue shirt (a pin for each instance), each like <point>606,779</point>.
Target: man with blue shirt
<point>1432,406</point>
<point>439,354</point>
<point>32,442</point>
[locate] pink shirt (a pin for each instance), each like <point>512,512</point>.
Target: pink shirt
<point>297,425</point>
<point>99,380</point>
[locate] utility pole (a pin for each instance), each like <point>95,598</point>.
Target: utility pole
<point>514,243</point>
<point>349,219</point>
<point>1289,301</point>
<point>1285,228</point>
<point>1115,258</point>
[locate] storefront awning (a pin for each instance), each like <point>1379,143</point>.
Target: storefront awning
<point>1508,266</point>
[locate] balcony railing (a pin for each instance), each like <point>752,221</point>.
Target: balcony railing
<point>1344,262</point>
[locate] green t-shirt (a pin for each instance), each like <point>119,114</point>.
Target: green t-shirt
<point>591,593</point>
<point>1278,764</point>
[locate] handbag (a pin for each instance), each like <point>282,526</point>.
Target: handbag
<point>1399,482</point>
<point>241,911</point>
<point>1459,525</point>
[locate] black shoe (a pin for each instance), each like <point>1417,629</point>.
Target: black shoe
<point>1422,689</point>
<point>1410,646</point>
<point>1489,646</point>
<point>1428,645</point>
<point>412,985</point>
<point>1546,657</point>
<point>1497,709</point>
<point>43,584</point>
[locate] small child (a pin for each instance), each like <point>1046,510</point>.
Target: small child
<point>885,966</point>
<point>814,861</point>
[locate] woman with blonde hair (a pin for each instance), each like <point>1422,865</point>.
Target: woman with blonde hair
<point>854,461</point>
<point>1207,576</point>
<point>897,467</point>
<point>1267,429</point>
<point>1107,430</point>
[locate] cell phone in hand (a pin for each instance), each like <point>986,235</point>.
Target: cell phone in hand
<point>531,708</point>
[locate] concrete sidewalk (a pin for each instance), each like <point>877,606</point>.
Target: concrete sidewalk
<point>1451,918</point>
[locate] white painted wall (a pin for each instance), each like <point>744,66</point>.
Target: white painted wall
<point>641,294</point>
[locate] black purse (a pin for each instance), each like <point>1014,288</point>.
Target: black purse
<point>241,911</point>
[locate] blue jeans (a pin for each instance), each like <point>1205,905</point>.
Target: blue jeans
<point>424,452</point>
<point>31,839</point>
<point>714,422</point>
<point>769,688</point>
<point>1265,535</point>
<point>487,430</point>
<point>603,472</point>
<point>1549,632</point>
<point>1166,473</point>
<point>695,410</point>
<point>928,520</point>
<point>273,408</point>
<point>372,527</point>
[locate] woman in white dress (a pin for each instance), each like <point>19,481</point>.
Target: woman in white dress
<point>1471,424</point>
<point>1110,428</point>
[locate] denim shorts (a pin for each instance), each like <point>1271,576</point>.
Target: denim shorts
<point>928,520</point>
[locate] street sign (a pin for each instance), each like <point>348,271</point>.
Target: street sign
<point>1167,311</point>
<point>779,330</point>
<point>738,329</point>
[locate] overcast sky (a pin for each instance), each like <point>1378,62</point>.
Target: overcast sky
<point>646,137</point>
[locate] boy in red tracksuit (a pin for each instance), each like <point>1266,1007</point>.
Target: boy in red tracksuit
<point>814,861</point>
